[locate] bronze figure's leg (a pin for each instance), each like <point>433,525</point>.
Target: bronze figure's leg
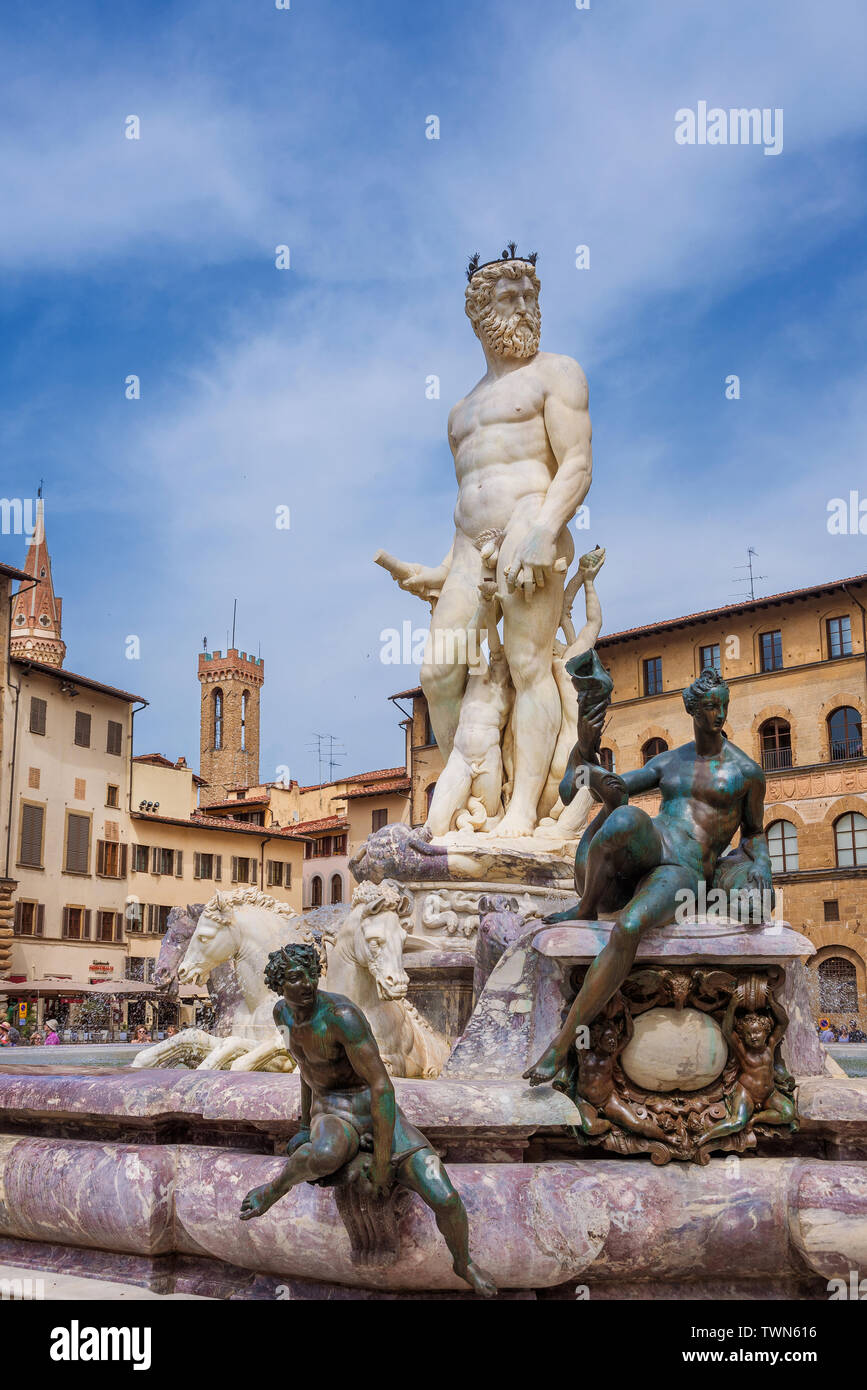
<point>652,905</point>
<point>332,1143</point>
<point>778,1110</point>
<point>424,1173</point>
<point>611,861</point>
<point>741,1107</point>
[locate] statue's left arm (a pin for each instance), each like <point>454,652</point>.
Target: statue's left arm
<point>363,1053</point>
<point>753,839</point>
<point>567,423</point>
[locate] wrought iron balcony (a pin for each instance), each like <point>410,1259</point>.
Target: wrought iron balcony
<point>773,759</point>
<point>846,748</point>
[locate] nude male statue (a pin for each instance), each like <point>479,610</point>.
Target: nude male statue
<point>348,1108</point>
<point>635,868</point>
<point>521,445</point>
<point>473,775</point>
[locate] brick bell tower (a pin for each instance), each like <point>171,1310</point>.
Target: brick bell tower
<point>229,744</point>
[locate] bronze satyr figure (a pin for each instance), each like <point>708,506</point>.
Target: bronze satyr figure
<point>349,1117</point>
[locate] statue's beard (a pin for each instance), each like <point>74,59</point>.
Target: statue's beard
<point>515,336</point>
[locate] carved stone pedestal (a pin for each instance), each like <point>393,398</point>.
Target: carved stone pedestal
<point>694,1054</point>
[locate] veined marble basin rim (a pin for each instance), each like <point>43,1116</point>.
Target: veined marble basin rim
<point>752,946</point>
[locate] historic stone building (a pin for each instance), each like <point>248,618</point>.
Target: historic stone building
<point>229,742</point>
<point>796,664</point>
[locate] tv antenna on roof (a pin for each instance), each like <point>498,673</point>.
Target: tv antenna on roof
<point>751,577</point>
<point>234,616</point>
<point>328,754</point>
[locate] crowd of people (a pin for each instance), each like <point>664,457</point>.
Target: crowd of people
<point>10,1036</point>
<point>841,1032</point>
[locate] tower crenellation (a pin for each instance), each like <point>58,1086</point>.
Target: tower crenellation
<point>229,741</point>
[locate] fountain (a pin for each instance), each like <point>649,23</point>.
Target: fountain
<point>638,1105</point>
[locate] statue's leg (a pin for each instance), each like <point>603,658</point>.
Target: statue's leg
<point>450,794</point>
<point>529,627</point>
<point>652,905</point>
<point>610,861</point>
<point>778,1110</point>
<point>618,1111</point>
<point>740,1107</point>
<point>424,1173</point>
<point>488,782</point>
<point>332,1143</point>
<point>444,670</point>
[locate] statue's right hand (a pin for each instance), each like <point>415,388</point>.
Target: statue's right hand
<point>422,580</point>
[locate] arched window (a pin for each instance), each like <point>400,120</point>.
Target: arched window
<point>776,737</point>
<point>606,758</point>
<point>844,733</point>
<point>429,791</point>
<point>652,747</point>
<point>336,888</point>
<point>850,840</point>
<point>316,892</point>
<point>783,847</point>
<point>838,986</point>
<point>245,700</point>
<point>218,718</point>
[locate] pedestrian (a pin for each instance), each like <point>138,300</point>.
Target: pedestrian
<point>52,1038</point>
<point>9,1035</point>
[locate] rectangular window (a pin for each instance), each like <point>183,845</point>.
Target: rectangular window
<point>110,859</point>
<point>157,918</point>
<point>29,919</point>
<point>203,865</point>
<point>77,859</point>
<point>274,869</point>
<point>771,648</point>
<point>114,737</point>
<point>339,845</point>
<point>243,870</point>
<point>134,918</point>
<point>108,926</point>
<point>38,711</point>
<point>378,819</point>
<point>163,861</point>
<point>82,728</point>
<point>112,795</point>
<point>653,676</point>
<point>140,858</point>
<point>76,924</point>
<point>832,910</point>
<point>32,827</point>
<point>839,637</point>
<point>709,658</point>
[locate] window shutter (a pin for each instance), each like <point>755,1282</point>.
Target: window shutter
<point>234,868</point>
<point>155,861</point>
<point>179,863</point>
<point>82,728</point>
<point>40,919</point>
<point>77,843</point>
<point>197,864</point>
<point>218,867</point>
<point>37,715</point>
<point>31,835</point>
<point>287,875</point>
<point>19,913</point>
<point>65,922</point>
<point>85,930</point>
<point>123,858</point>
<point>114,737</point>
<point>100,856</point>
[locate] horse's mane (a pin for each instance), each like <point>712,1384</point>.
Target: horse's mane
<point>222,906</point>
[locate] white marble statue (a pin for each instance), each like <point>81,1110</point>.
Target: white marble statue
<point>521,445</point>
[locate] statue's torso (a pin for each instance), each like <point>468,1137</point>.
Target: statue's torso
<point>501,449</point>
<point>702,804</point>
<point>318,1051</point>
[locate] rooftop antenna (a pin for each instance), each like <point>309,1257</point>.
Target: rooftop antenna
<point>234,616</point>
<point>39,489</point>
<point>204,644</point>
<point>751,578</point>
<point>328,753</point>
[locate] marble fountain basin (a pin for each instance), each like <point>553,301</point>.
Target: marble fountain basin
<point>141,1174</point>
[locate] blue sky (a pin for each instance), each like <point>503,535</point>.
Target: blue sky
<point>306,387</point>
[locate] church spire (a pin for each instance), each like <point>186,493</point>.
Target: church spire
<point>36,612</point>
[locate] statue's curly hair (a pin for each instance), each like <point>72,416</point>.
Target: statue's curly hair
<point>710,679</point>
<point>290,955</point>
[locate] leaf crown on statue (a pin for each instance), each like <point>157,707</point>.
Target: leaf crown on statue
<point>510,254</point>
